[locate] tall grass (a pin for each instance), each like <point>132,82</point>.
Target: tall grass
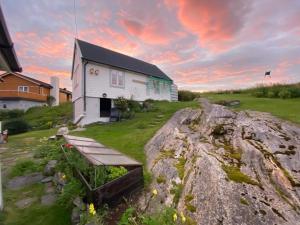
<point>282,91</point>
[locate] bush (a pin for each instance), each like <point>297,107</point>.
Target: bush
<point>134,106</point>
<point>16,126</point>
<point>271,94</point>
<point>285,94</point>
<point>121,104</point>
<point>10,114</point>
<point>187,95</point>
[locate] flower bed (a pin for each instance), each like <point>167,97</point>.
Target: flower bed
<point>104,183</point>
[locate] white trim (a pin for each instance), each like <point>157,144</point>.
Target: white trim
<point>22,89</point>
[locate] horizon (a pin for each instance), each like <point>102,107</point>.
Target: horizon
<point>203,46</point>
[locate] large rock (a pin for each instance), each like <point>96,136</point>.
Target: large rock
<point>49,169</point>
<point>26,202</point>
<point>223,167</point>
<point>48,199</point>
<point>62,131</point>
<point>22,181</point>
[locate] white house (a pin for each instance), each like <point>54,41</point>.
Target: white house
<point>100,75</point>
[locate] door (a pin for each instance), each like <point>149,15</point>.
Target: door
<point>105,107</point>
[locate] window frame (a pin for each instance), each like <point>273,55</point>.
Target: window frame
<point>22,89</point>
<point>117,76</point>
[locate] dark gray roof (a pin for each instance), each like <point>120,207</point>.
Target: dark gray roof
<point>108,57</point>
<point>7,48</point>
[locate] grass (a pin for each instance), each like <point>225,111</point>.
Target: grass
<point>24,166</point>
<point>287,109</point>
<point>36,214</point>
<point>47,117</point>
<point>130,136</point>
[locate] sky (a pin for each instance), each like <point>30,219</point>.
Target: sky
<point>202,45</point>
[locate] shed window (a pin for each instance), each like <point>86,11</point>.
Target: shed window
<point>117,78</point>
<point>23,89</point>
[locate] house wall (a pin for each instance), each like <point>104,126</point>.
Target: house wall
<point>77,76</point>
<point>9,88</point>
<point>19,104</point>
<point>135,85</point>
<point>77,86</point>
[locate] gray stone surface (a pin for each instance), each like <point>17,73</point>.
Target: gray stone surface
<point>194,148</point>
<point>49,188</point>
<point>49,169</point>
<point>22,181</point>
<point>24,203</point>
<point>48,199</point>
<point>79,203</point>
<point>47,179</point>
<point>62,131</point>
<point>75,217</point>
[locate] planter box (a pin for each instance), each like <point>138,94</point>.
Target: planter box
<point>114,191</point>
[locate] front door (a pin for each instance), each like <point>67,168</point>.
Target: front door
<point>105,107</point>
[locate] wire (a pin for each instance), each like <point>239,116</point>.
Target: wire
<point>75,19</point>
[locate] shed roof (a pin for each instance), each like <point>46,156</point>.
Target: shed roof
<point>99,155</point>
<point>105,56</point>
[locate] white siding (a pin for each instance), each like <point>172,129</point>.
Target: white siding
<point>135,85</point>
<point>77,76</point>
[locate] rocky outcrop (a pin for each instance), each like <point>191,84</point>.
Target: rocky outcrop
<point>223,167</point>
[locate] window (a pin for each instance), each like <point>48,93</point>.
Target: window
<point>156,87</point>
<point>41,90</point>
<point>117,79</point>
<point>23,89</point>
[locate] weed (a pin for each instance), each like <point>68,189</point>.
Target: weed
<point>234,174</point>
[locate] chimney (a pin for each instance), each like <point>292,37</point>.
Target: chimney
<point>54,81</point>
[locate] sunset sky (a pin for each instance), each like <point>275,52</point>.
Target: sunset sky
<point>201,44</point>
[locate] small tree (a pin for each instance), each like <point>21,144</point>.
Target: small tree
<point>50,100</point>
<point>121,104</point>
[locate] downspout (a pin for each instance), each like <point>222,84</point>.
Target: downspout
<point>84,86</point>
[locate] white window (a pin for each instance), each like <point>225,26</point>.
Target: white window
<point>117,79</point>
<point>23,89</point>
<point>156,85</point>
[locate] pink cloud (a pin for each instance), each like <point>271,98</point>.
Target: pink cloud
<point>153,32</point>
<point>213,21</point>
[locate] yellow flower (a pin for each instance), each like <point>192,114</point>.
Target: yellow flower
<point>63,176</point>
<point>174,217</point>
<point>154,192</point>
<point>183,219</point>
<point>92,209</point>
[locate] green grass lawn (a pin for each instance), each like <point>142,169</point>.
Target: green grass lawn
<point>130,136</point>
<point>288,109</point>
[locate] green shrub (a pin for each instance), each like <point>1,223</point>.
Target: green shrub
<point>127,114</point>
<point>7,114</point>
<point>121,104</point>
<point>24,167</point>
<point>184,95</point>
<point>259,94</point>
<point>16,126</point>
<point>116,172</point>
<point>134,106</point>
<point>285,93</point>
<point>271,94</point>
<point>71,190</point>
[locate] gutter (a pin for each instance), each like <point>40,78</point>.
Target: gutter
<point>84,86</point>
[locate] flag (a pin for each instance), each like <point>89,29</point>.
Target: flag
<point>268,73</point>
